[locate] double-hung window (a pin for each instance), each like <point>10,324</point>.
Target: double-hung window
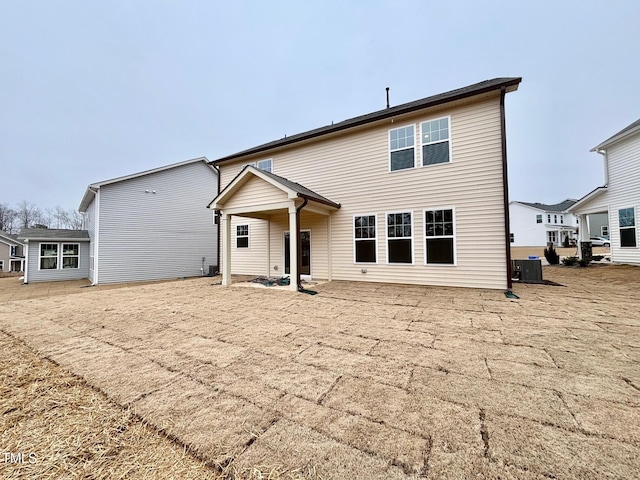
<point>48,256</point>
<point>435,141</point>
<point>70,255</point>
<point>538,218</point>
<point>242,236</point>
<point>364,235</point>
<point>401,148</point>
<point>440,237</point>
<point>399,238</point>
<point>627,222</point>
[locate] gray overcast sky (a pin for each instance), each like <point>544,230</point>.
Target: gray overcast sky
<point>91,90</point>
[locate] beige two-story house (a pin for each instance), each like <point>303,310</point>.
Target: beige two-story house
<point>415,194</point>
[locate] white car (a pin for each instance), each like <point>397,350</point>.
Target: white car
<point>600,242</point>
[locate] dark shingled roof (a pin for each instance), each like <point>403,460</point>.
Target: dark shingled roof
<point>301,189</point>
<point>556,207</point>
<point>52,234</point>
<point>453,95</point>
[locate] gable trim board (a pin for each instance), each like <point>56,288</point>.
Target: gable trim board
<point>325,162</point>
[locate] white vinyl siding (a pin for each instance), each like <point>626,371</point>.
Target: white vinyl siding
<point>152,236</point>
<point>355,173</point>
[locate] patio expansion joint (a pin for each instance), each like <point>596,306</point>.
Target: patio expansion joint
<point>630,383</point>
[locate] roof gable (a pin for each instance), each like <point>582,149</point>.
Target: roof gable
<point>508,83</point>
<point>9,239</point>
<point>94,187</point>
<point>291,189</point>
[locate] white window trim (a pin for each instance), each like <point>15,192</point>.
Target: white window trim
<point>353,232</point>
<point>1,265</point>
<point>455,238</point>
<point>389,150</point>
<point>421,164</point>
<point>40,257</point>
<point>62,255</point>
<point>243,236</point>
<point>270,160</point>
<point>413,233</point>
<point>602,230</point>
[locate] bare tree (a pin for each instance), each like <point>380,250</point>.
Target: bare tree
<point>29,215</point>
<point>7,218</point>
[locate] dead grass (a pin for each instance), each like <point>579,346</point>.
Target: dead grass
<point>360,381</point>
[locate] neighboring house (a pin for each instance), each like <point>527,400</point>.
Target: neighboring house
<point>537,224</point>
<point>413,194</point>
<point>152,225</point>
<point>620,195</point>
<point>11,253</point>
<point>53,254</point>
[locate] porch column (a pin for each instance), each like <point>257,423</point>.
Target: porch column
<point>225,220</point>
<point>583,233</point>
<point>293,249</point>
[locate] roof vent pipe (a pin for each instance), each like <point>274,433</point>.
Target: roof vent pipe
<point>387,97</point>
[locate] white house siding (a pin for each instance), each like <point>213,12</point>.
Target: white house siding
<point>353,170</point>
<point>33,264</point>
<point>151,236</point>
<point>624,192</point>
<point>526,232</point>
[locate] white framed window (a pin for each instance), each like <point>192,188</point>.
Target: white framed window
<point>440,242</point>
<point>402,148</point>
<point>49,256</point>
<point>365,239</point>
<point>13,251</point>
<point>70,255</point>
<point>552,237</point>
<point>1,265</point>
<point>512,238</point>
<point>265,165</point>
<point>548,218</point>
<point>627,223</point>
<point>400,237</point>
<point>562,219</point>
<point>539,218</point>
<point>555,219</point>
<point>242,236</point>
<point>435,139</point>
<point>604,230</point>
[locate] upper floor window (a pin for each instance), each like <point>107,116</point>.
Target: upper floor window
<point>627,222</point>
<point>435,141</point>
<point>399,238</point>
<point>14,250</point>
<point>401,148</point>
<point>555,219</point>
<point>364,235</point>
<point>539,218</point>
<point>562,219</point>
<point>265,165</point>
<point>548,218</point>
<point>242,236</point>
<point>440,239</point>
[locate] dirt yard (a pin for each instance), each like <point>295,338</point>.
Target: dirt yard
<point>361,381</point>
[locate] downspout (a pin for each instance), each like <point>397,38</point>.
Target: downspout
<point>299,243</point>
<point>505,190</point>
<point>217,212</point>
